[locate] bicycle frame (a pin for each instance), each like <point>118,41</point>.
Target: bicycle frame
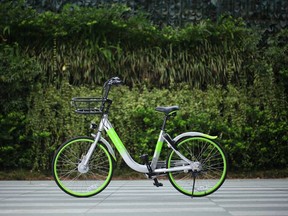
<point>107,126</point>
<point>76,165</point>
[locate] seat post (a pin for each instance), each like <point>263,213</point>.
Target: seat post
<point>166,117</point>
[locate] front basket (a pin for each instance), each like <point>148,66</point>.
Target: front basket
<point>88,105</point>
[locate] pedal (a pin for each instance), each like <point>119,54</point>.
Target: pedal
<point>156,183</point>
<point>150,173</point>
<point>145,159</point>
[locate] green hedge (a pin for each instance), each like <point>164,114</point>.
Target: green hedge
<point>251,131</point>
<point>225,83</point>
<point>19,76</point>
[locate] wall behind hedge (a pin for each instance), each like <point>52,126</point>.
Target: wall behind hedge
<point>271,15</point>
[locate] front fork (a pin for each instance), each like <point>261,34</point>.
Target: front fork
<point>83,165</point>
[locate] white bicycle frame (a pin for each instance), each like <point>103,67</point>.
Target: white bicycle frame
<point>185,164</point>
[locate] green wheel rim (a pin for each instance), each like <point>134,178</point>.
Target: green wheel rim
<point>216,185</point>
<point>82,194</point>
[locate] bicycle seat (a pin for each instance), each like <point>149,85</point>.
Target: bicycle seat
<point>167,110</point>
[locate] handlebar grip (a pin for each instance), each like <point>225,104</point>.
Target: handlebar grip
<point>115,81</point>
<point>120,82</point>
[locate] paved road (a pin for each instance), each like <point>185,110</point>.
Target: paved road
<point>125,198</point>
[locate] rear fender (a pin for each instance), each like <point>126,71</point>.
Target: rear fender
<point>194,134</point>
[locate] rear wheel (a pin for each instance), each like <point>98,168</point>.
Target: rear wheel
<point>211,161</point>
<point>75,180</point>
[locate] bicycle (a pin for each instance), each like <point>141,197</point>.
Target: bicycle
<point>82,167</point>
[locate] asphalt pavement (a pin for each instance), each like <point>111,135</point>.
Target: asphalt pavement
<point>256,197</point>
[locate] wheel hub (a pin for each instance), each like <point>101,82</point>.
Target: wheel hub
<point>196,166</point>
<point>82,168</point>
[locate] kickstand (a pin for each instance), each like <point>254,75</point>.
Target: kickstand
<point>194,174</point>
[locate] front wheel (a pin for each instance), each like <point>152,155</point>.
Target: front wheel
<point>72,178</point>
<point>212,166</point>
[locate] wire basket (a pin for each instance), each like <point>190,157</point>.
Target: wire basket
<point>88,105</point>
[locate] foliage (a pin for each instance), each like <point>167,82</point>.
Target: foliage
<point>253,135</point>
<point>267,14</point>
<point>18,78</point>
<point>112,40</point>
<point>224,82</point>
<point>18,74</point>
<point>51,121</point>
<point>277,55</point>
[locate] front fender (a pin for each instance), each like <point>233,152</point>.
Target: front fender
<point>194,134</point>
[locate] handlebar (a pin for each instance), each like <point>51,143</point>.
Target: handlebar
<point>107,85</point>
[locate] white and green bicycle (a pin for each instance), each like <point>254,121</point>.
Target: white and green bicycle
<point>82,167</point>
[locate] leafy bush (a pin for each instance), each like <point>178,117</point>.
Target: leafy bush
<point>224,82</point>
<point>18,78</point>
<point>277,56</point>
<point>251,134</point>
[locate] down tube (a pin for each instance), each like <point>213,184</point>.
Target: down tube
<point>124,153</point>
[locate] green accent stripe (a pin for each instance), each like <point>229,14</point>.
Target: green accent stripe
<point>209,137</point>
<point>159,145</point>
<point>116,140</point>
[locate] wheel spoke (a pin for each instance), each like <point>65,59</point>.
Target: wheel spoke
<point>212,159</point>
<point>87,182</point>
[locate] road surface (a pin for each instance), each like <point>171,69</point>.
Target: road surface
<point>124,198</point>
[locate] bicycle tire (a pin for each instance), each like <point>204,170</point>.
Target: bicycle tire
<point>213,162</point>
<point>70,179</point>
